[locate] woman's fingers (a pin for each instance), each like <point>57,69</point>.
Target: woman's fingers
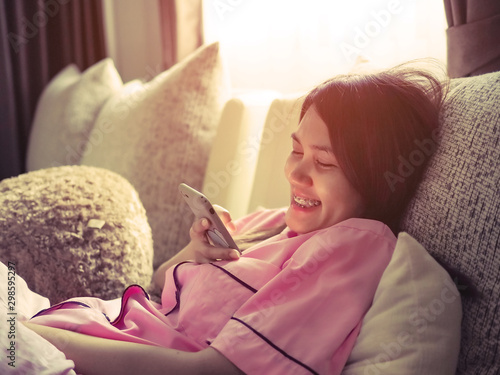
<point>210,253</point>
<point>203,251</point>
<point>225,216</point>
<point>198,229</point>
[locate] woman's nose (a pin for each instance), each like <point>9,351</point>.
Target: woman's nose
<point>299,173</point>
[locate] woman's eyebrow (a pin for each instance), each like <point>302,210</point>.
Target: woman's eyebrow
<point>325,148</point>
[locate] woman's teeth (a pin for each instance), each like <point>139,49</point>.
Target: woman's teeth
<point>305,203</point>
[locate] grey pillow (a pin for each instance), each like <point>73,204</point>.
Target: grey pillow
<point>455,213</point>
<point>75,231</point>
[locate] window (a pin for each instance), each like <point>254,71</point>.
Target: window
<point>291,45</point>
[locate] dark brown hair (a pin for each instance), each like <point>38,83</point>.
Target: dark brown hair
<point>382,127</point>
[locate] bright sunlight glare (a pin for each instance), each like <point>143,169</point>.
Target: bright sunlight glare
<point>291,45</point>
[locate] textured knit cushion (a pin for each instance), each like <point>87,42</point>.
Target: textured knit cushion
<point>159,135</point>
<point>66,112</point>
<point>455,213</point>
<point>75,231</point>
<point>413,326</point>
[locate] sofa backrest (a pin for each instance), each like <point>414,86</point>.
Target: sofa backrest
<point>455,212</point>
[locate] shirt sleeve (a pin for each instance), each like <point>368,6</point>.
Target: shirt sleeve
<point>306,319</point>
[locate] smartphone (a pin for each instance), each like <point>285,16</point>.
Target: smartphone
<point>202,208</point>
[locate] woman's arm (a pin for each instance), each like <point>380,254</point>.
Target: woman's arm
<point>95,355</point>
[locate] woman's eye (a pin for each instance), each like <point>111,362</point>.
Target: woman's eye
<point>325,165</point>
<point>296,152</point>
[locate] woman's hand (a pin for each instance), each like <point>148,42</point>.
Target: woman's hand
<point>199,248</point>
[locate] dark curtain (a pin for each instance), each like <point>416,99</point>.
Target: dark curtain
<point>168,21</point>
<point>182,28</point>
<point>37,39</point>
<point>473,37</point>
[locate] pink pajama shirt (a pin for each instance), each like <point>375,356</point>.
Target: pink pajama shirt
<point>292,304</point>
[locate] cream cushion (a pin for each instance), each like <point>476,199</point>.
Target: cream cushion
<point>158,135</point>
<point>413,326</point>
<point>229,177</point>
<point>66,112</point>
<point>245,168</point>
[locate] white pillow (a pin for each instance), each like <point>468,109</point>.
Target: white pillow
<point>159,134</point>
<point>413,326</point>
<point>66,112</point>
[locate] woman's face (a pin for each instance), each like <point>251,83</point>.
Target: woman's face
<point>321,195</point>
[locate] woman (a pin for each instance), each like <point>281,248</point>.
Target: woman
<point>294,302</point>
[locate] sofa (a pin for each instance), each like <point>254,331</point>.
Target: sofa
<point>99,207</point>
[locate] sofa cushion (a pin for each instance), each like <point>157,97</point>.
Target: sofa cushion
<point>75,231</point>
<point>66,112</point>
<point>241,137</point>
<point>455,212</point>
<point>159,135</point>
<point>413,326</point>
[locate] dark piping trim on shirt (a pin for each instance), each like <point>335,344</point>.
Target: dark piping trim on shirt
<point>235,278</point>
<point>270,343</point>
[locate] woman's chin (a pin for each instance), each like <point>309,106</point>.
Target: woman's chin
<point>300,219</point>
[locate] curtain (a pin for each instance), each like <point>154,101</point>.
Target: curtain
<point>10,162</point>
<point>473,37</point>
<point>181,28</point>
<point>37,39</point>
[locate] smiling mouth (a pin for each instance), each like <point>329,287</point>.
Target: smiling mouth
<point>305,203</point>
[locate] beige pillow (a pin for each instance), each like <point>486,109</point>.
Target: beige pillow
<point>66,112</point>
<point>413,326</point>
<point>158,135</point>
